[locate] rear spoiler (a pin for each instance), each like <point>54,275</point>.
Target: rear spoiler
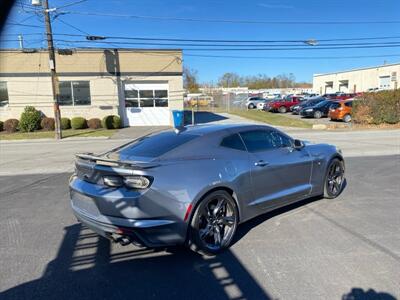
<point>114,163</point>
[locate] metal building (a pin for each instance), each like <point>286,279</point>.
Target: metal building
<point>382,77</point>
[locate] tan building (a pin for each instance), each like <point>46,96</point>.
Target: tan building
<point>358,80</point>
<point>141,86</point>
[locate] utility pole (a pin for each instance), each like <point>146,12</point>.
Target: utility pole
<point>53,73</point>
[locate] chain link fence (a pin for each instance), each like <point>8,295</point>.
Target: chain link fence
<point>196,107</point>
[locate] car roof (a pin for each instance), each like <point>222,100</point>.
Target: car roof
<point>212,128</point>
<point>206,129</point>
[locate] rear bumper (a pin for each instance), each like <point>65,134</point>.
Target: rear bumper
<point>141,219</point>
<point>149,233</point>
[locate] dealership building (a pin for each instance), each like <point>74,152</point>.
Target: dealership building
<point>384,77</point>
<point>142,86</point>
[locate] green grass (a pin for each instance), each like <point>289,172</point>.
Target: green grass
<point>271,118</point>
<point>50,134</point>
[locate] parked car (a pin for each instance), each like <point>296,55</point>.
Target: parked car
<point>284,104</point>
<point>252,102</point>
<point>341,110</point>
<point>345,96</point>
<point>317,111</point>
<point>273,96</point>
<point>195,185</point>
<point>295,109</point>
<point>310,95</point>
<point>330,95</point>
<point>340,96</point>
<point>261,105</point>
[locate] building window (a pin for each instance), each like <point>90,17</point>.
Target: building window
<point>74,93</point>
<point>3,93</point>
<point>146,97</point>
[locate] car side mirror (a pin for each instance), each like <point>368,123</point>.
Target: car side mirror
<point>298,144</point>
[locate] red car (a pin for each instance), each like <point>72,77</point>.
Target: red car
<point>340,96</point>
<point>284,104</point>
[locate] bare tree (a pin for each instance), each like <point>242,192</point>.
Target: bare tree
<point>190,80</point>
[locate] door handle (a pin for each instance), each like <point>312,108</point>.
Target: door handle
<point>260,163</point>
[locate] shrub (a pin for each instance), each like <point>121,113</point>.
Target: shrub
<point>78,123</point>
<point>94,123</point>
<point>377,108</point>
<point>11,125</point>
<point>117,122</point>
<point>1,125</point>
<point>111,122</point>
<point>30,119</point>
<point>65,123</point>
<point>48,124</point>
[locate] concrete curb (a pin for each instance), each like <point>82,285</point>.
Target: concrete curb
<point>319,127</point>
<point>53,140</point>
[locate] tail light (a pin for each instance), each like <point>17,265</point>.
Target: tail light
<point>113,181</point>
<point>137,182</point>
<point>133,182</point>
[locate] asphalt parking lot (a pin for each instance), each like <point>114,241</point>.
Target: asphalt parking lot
<point>316,249</point>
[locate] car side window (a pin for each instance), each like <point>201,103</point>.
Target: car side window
<point>257,140</point>
<point>280,140</point>
<point>234,142</point>
<point>349,104</point>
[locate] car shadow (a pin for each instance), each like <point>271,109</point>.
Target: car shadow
<point>202,117</point>
<point>90,267</point>
<point>370,294</point>
<point>247,226</point>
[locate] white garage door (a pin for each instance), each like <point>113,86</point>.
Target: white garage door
<point>146,104</point>
<point>384,82</point>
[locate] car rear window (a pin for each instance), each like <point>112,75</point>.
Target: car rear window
<point>234,142</point>
<point>335,105</point>
<point>156,145</point>
<point>323,103</point>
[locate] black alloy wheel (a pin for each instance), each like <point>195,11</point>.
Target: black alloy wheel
<point>334,179</point>
<point>214,223</point>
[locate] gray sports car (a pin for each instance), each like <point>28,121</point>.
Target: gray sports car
<point>194,186</point>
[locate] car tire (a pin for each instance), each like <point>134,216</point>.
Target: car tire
<point>317,115</point>
<point>347,118</point>
<point>251,106</point>
<point>208,235</point>
<point>334,179</point>
<point>282,109</point>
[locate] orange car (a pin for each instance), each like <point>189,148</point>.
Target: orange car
<point>341,110</point>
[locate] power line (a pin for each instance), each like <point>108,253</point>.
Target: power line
<point>72,26</point>
<point>294,57</point>
<point>73,3</point>
<point>19,24</point>
<point>229,20</point>
<point>212,40</point>
<point>214,45</point>
<point>249,41</point>
<point>270,49</point>
<point>24,34</point>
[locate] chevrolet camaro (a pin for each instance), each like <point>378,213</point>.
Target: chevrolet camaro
<point>195,185</point>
